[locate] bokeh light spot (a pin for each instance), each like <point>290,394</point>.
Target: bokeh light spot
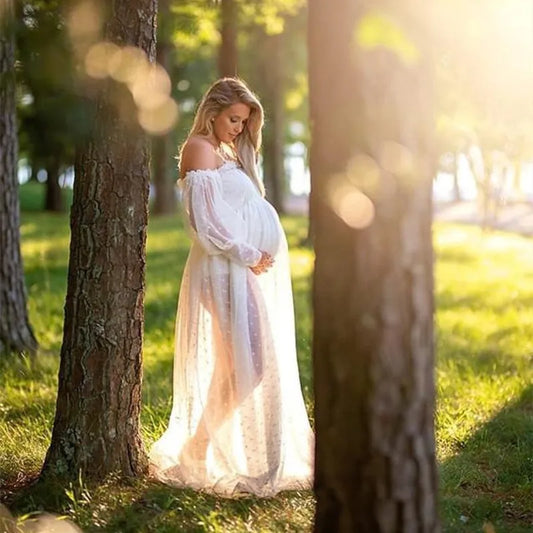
<point>128,64</point>
<point>397,158</point>
<point>363,172</point>
<point>354,207</point>
<point>98,58</point>
<point>148,83</point>
<point>151,89</point>
<point>84,21</point>
<point>159,120</point>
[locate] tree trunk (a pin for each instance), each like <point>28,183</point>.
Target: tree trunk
<point>15,331</point>
<point>456,187</point>
<point>373,282</point>
<point>165,194</point>
<point>53,200</point>
<point>165,200</point>
<point>96,427</point>
<point>227,60</point>
<point>273,151</point>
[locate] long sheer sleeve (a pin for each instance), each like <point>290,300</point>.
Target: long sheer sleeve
<point>218,228</point>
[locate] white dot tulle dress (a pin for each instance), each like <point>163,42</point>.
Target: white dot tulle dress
<point>238,422</point>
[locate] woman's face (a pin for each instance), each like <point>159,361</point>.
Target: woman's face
<point>230,122</point>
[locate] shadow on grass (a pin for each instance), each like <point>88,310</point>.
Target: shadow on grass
<point>142,504</point>
<point>490,479</point>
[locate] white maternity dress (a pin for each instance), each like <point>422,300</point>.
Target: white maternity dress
<point>238,421</point>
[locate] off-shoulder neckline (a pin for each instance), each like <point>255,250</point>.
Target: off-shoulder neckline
<point>193,171</point>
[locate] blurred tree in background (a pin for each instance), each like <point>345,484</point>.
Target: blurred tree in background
<point>253,40</point>
<point>482,83</point>
<point>165,200</point>
<point>52,116</point>
<point>273,65</point>
<point>15,331</point>
<point>228,59</point>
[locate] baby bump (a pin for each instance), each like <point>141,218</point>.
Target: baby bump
<point>263,227</point>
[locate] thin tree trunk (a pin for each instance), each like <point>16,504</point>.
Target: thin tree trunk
<point>456,188</point>
<point>273,152</point>
<point>15,331</point>
<point>228,58</point>
<point>96,427</point>
<point>373,283</point>
<point>165,201</point>
<point>53,200</point>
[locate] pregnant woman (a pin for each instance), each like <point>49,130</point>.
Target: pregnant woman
<point>238,422</point>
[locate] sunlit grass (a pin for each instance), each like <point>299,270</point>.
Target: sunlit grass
<point>484,292</point>
<point>485,378</point>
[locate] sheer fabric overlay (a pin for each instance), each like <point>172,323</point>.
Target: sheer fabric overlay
<point>238,421</point>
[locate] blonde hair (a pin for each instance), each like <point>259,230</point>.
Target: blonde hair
<point>222,94</point>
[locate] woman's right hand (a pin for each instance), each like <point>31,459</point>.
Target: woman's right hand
<point>264,264</point>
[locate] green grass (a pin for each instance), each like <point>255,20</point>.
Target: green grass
<point>484,288</point>
<point>485,378</point>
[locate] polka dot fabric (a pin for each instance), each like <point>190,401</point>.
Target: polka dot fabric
<point>238,422</point>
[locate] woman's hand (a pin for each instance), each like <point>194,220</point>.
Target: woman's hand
<point>264,264</point>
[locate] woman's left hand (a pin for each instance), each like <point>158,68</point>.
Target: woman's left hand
<point>264,264</point>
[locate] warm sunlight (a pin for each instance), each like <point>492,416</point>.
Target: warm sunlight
<point>266,265</point>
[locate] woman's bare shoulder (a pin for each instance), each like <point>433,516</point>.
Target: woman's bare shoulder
<point>198,154</point>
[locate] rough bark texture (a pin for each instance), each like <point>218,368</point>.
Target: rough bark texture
<point>96,428</point>
<point>15,331</point>
<point>273,147</point>
<point>228,58</point>
<point>373,287</point>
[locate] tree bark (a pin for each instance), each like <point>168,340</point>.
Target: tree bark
<point>96,427</point>
<point>53,200</point>
<point>373,357</point>
<point>228,57</point>
<point>273,151</point>
<point>16,334</point>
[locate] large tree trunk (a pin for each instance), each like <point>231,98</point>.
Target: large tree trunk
<point>53,200</point>
<point>373,283</point>
<point>273,94</point>
<point>15,331</point>
<point>228,59</point>
<point>165,200</point>
<point>96,428</point>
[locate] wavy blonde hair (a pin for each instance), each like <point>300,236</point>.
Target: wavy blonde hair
<point>222,94</point>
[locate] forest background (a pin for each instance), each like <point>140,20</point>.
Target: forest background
<point>482,82</point>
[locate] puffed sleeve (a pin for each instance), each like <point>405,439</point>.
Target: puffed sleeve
<point>218,228</point>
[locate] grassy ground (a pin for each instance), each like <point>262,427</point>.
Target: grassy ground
<point>484,376</point>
